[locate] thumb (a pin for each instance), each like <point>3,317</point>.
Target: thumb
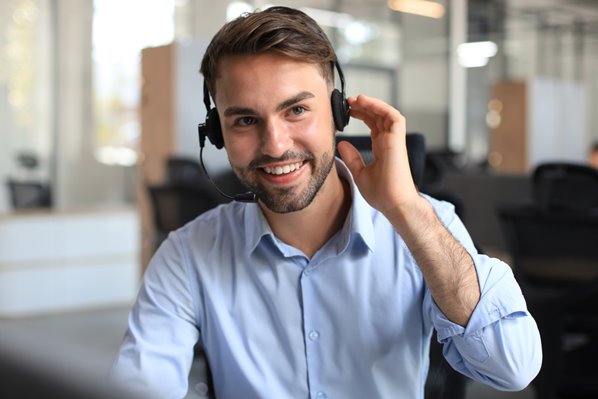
<point>351,157</point>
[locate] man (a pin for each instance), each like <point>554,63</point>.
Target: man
<point>330,285</point>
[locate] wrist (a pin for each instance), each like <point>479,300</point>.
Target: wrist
<point>409,214</point>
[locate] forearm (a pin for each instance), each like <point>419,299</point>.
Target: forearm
<point>501,344</point>
<point>446,266</point>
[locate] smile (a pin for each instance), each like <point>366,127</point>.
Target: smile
<point>282,170</point>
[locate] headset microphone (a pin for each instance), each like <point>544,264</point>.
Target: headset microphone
<point>243,197</point>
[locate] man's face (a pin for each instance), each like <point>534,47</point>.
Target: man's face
<point>277,127</point>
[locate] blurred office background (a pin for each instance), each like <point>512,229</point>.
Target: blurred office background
<point>97,96</point>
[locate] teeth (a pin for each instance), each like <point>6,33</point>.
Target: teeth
<point>279,170</point>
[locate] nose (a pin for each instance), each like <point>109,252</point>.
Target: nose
<point>275,138</point>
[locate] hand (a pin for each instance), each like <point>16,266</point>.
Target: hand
<point>386,183</point>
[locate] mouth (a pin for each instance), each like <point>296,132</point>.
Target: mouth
<point>282,169</point>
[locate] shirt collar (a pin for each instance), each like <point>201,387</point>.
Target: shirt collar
<point>256,227</point>
<point>359,223</point>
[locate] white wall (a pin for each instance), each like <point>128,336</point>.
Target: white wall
<point>557,116</point>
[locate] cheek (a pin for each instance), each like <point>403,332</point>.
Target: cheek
<point>315,130</point>
<point>239,151</point>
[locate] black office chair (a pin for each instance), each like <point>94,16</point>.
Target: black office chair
<point>443,381</point>
<point>566,187</point>
<point>187,172</point>
<point>416,152</point>
<point>553,244</point>
<point>182,171</point>
<point>175,205</point>
<point>29,194</point>
<point>186,193</point>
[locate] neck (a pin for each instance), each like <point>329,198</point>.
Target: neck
<point>309,229</point>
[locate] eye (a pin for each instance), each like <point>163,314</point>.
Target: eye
<point>297,110</point>
<point>245,121</point>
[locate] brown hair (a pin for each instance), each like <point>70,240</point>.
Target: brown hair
<point>283,30</point>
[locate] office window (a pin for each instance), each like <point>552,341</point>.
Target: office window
<point>25,91</point>
<point>121,29</point>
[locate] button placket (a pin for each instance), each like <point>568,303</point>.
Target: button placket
<point>312,335</point>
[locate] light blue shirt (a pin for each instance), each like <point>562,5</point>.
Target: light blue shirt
<point>354,321</point>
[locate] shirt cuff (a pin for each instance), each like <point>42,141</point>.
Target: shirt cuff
<point>500,298</point>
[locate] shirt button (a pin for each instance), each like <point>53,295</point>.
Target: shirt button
<point>202,389</point>
<point>314,335</point>
<point>321,395</point>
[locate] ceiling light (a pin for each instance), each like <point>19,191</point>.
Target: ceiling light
<point>476,54</point>
<point>423,8</point>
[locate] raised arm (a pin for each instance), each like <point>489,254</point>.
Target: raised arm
<point>387,185</point>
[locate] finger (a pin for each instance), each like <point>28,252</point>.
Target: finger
<point>380,114</point>
<point>374,105</point>
<point>374,121</point>
<point>351,157</point>
<point>367,118</point>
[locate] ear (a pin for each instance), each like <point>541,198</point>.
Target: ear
<point>214,130</point>
<point>340,110</point>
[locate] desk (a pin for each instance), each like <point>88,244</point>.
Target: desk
<point>52,261</point>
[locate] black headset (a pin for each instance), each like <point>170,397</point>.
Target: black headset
<point>212,130</point>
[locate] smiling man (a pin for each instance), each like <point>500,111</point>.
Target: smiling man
<point>260,133</point>
<point>331,284</point>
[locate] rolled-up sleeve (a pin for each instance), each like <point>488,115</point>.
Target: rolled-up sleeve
<point>500,346</point>
<point>157,351</point>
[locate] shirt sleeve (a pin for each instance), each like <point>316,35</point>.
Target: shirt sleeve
<point>157,351</point>
<point>500,346</point>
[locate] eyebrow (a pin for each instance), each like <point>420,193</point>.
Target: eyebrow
<point>230,111</point>
<point>294,100</point>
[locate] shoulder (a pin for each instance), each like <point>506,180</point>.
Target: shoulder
<point>223,221</point>
<point>444,209</point>
<point>200,243</point>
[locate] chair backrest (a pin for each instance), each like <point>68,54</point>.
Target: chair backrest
<point>187,193</point>
<point>184,172</point>
<point>175,205</point>
<point>554,239</point>
<point>29,195</point>
<point>416,152</point>
<point>566,187</point>
<point>550,247</point>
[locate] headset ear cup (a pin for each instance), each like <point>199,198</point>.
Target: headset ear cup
<point>340,110</point>
<point>214,129</point>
